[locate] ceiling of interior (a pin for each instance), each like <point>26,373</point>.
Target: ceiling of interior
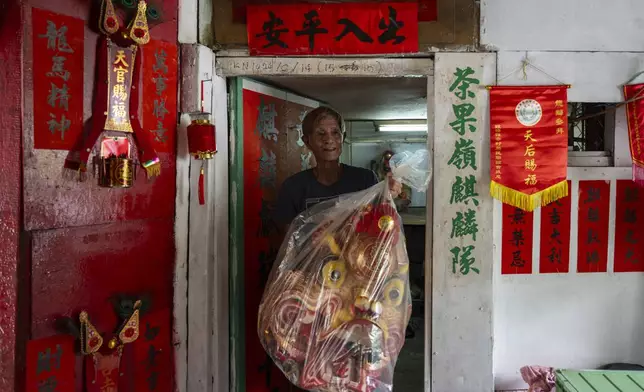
<point>362,98</point>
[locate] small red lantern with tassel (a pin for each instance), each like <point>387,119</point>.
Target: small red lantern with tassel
<point>202,145</point>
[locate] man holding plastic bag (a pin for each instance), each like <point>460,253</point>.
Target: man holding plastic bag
<point>337,302</point>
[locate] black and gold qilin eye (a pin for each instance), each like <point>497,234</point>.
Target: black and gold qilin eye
<point>333,274</point>
<point>394,292</point>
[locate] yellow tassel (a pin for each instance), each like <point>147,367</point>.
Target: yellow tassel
<point>153,170</point>
<point>528,202</point>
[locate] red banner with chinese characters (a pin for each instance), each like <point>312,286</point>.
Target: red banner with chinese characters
<point>629,238</point>
<point>102,372</point>
<point>338,28</point>
<point>529,145</point>
<point>635,119</point>
<point>427,9</point>
<point>153,353</point>
<point>51,364</point>
<point>592,236</point>
<point>516,241</point>
<point>58,57</point>
<point>554,245</point>
<point>160,93</point>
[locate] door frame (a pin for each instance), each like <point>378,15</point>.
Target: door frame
<point>237,67</point>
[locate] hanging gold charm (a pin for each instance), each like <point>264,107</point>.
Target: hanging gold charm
<point>139,31</point>
<point>130,330</point>
<point>109,22</point>
<point>91,340</point>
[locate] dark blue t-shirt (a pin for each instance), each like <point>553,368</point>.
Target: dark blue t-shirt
<point>302,191</point>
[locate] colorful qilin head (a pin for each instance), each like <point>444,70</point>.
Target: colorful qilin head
<point>334,313</point>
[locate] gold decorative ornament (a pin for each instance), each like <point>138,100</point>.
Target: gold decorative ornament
<point>386,223</point>
<point>91,340</point>
<point>139,31</point>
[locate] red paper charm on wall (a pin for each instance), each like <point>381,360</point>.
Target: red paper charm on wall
<point>160,92</point>
<point>629,237</point>
<point>202,145</point>
<point>516,241</point>
<point>554,246</point>
<point>154,370</point>
<point>58,53</point>
<point>592,238</point>
<point>51,364</point>
<point>116,102</point>
<point>343,28</point>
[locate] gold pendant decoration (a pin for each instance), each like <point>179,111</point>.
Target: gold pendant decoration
<point>139,31</point>
<point>109,21</point>
<point>91,340</point>
<point>130,330</point>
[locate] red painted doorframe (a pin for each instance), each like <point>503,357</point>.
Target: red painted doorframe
<point>56,247</point>
<point>10,186</point>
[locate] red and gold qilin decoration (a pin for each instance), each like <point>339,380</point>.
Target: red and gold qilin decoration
<point>202,145</point>
<point>529,145</point>
<point>105,361</point>
<point>116,104</point>
<point>337,322</point>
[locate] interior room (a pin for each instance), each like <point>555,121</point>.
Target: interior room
<point>382,116</point>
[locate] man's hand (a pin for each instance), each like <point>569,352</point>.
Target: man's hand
<point>394,186</point>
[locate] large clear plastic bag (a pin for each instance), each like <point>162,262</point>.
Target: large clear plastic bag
<point>337,303</point>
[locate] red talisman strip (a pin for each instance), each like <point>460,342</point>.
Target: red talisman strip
<point>529,145</point>
<point>153,353</point>
<point>635,117</point>
<point>58,57</point>
<point>343,28</point>
<point>592,236</point>
<point>51,364</point>
<point>554,246</point>
<point>516,241</point>
<point>629,237</point>
<point>160,92</point>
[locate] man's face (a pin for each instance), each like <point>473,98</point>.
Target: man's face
<point>325,142</point>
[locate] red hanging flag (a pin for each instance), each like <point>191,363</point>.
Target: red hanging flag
<point>529,145</point>
<point>635,116</point>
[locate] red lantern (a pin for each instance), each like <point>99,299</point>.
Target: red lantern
<point>202,145</point>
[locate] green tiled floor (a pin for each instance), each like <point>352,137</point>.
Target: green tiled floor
<point>599,381</point>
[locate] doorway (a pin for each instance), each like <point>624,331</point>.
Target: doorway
<point>266,111</point>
